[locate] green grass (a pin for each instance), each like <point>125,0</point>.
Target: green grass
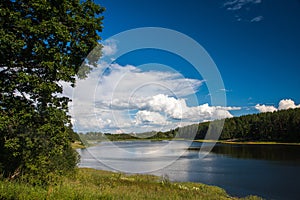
<point>96,184</point>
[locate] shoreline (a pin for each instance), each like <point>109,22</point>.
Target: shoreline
<point>247,142</point>
<point>79,145</point>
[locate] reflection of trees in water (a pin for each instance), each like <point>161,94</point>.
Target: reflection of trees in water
<point>261,152</point>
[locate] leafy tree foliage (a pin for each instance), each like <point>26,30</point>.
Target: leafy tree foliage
<point>41,43</point>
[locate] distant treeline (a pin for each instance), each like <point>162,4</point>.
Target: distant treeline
<point>98,136</point>
<point>283,126</point>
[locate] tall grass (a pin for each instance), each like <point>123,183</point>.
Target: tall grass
<point>92,184</point>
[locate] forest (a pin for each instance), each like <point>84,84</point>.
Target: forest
<point>281,126</point>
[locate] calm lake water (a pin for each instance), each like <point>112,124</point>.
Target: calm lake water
<point>269,171</point>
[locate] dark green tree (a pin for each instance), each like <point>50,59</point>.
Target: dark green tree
<point>41,44</point>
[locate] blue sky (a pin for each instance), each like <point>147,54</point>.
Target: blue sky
<point>255,45</point>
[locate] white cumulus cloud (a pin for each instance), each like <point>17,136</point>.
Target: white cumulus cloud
<point>287,104</point>
<point>172,107</point>
<point>284,104</point>
<point>169,105</point>
<point>264,108</point>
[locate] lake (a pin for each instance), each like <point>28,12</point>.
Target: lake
<point>269,171</point>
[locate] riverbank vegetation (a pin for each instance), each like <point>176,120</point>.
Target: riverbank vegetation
<point>96,184</point>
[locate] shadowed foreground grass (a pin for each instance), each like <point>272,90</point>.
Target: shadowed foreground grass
<point>96,184</point>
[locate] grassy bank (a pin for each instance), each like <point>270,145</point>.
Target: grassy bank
<point>78,145</point>
<point>247,142</point>
<point>259,142</point>
<point>96,184</point>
